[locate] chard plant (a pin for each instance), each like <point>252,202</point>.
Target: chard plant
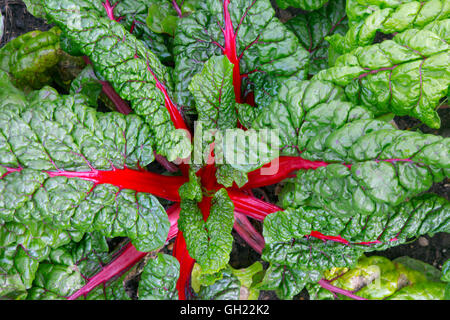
<point>228,99</point>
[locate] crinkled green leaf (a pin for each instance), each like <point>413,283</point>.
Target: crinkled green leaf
<point>446,271</point>
<point>30,58</point>
<point>44,148</point>
<point>428,214</point>
<point>311,29</point>
<point>133,15</point>
<point>191,190</point>
<point>226,288</point>
<point>407,75</point>
<point>159,278</point>
<point>35,7</point>
<point>67,267</point>
<point>133,70</point>
<point>213,93</point>
<point>354,235</point>
<point>255,42</point>
<point>377,278</point>
<point>446,278</point>
<point>303,4</point>
<point>17,272</point>
<point>223,285</point>
<point>236,152</point>
<point>363,165</point>
<point>210,242</point>
<point>284,113</point>
<point>369,17</point>
<point>296,262</point>
<point>227,175</point>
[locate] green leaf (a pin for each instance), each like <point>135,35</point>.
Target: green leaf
<point>286,245</point>
<point>387,17</point>
<point>162,18</point>
<point>377,278</point>
<point>407,75</point>
<point>427,214</point>
<point>421,291</point>
<point>9,93</point>
<point>236,152</point>
<point>67,267</point>
<point>223,284</point>
<point>446,271</point>
<point>192,190</point>
<point>303,4</point>
<point>250,280</point>
<point>17,272</point>
<point>362,165</point>
<point>226,288</point>
<point>159,278</point>
<point>256,42</point>
<point>48,145</point>
<point>311,29</point>
<point>213,93</point>
<point>296,262</point>
<point>210,242</point>
<point>35,7</point>
<point>133,71</point>
<point>31,57</point>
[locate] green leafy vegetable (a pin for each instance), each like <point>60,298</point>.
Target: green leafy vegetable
<point>377,278</point>
<point>31,57</point>
<point>313,28</point>
<point>80,206</point>
<point>146,80</point>
<point>303,4</point>
<point>245,31</point>
<point>47,142</point>
<point>407,75</point>
<point>369,17</point>
<point>210,242</point>
<point>159,278</point>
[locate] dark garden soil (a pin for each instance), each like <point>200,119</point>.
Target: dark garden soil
<point>433,250</point>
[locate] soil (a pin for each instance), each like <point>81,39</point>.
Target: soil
<point>433,250</point>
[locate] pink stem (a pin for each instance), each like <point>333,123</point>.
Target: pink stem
<point>186,265</point>
<point>284,167</point>
<point>109,10</point>
<point>177,8</point>
<point>125,260</point>
<point>108,90</point>
<point>119,103</point>
<point>169,166</point>
<point>248,233</point>
<point>175,114</point>
<point>251,206</point>
<point>230,50</point>
<point>326,285</point>
<point>141,181</point>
